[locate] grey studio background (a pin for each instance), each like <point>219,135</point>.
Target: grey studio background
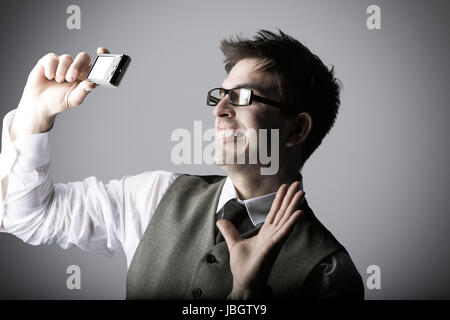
<point>379,181</point>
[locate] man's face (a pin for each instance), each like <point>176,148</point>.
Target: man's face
<point>239,119</point>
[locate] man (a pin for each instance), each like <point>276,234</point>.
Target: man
<point>247,235</point>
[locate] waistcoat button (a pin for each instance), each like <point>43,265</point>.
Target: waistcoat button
<point>210,258</point>
<point>197,292</point>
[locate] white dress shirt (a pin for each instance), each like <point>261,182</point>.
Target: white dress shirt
<point>90,214</point>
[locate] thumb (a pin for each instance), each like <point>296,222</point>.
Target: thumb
<point>229,232</point>
<point>101,50</point>
<point>80,92</point>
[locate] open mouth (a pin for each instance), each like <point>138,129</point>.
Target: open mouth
<point>227,133</point>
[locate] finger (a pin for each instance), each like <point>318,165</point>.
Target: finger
<point>49,62</point>
<point>101,50</point>
<point>276,203</point>
<point>284,231</point>
<point>79,67</point>
<point>229,232</point>
<point>286,201</point>
<point>292,206</point>
<point>63,65</point>
<point>84,73</point>
<point>78,94</point>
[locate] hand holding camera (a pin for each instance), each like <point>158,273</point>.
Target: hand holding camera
<point>58,83</point>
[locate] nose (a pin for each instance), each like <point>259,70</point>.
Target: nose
<point>224,108</point>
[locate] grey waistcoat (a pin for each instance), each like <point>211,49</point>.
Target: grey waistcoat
<point>178,259</point>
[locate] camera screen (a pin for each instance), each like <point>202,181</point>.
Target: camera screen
<point>101,67</point>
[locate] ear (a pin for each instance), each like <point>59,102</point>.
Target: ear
<point>300,129</point>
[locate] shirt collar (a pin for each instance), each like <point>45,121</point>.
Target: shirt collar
<point>257,207</point>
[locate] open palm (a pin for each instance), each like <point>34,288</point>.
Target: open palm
<point>251,260</point>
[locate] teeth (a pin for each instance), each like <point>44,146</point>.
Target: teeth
<point>225,133</point>
<point>229,133</point>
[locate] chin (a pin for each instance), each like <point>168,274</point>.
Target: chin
<point>231,156</point>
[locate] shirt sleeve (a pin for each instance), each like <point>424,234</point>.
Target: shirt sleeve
<point>335,277</point>
<point>90,214</point>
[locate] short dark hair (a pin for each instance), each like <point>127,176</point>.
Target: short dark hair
<point>305,84</point>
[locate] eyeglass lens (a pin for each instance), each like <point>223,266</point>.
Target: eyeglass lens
<point>238,96</point>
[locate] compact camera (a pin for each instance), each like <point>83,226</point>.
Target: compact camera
<point>109,69</point>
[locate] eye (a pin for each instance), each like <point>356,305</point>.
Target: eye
<point>244,96</point>
<point>234,96</point>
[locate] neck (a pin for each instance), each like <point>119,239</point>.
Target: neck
<point>250,183</point>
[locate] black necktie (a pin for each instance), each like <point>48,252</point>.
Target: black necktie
<point>237,214</point>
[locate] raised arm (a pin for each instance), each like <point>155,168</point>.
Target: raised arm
<point>88,213</point>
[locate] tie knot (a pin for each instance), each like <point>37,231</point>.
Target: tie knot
<point>237,214</point>
<point>234,211</point>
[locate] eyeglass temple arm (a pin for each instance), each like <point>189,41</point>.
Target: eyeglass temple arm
<point>268,101</point>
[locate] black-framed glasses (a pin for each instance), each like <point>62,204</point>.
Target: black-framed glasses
<point>238,97</point>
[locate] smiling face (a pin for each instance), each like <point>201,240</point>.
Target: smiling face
<point>233,136</point>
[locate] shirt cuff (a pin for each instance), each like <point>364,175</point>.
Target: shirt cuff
<point>8,154</point>
<point>26,153</point>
